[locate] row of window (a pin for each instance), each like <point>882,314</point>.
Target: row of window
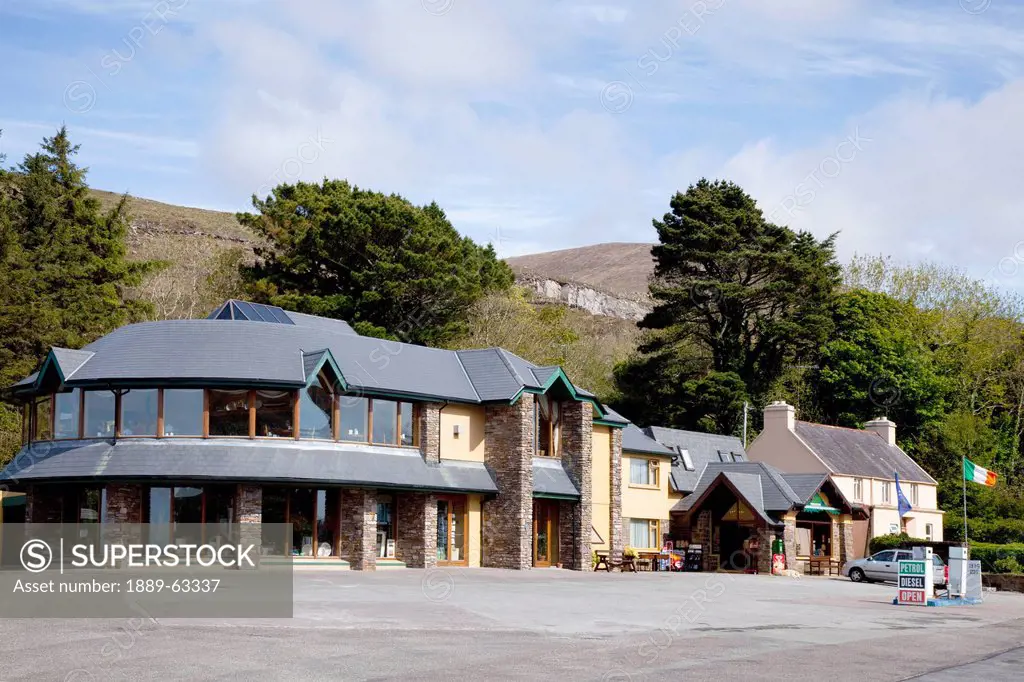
<point>683,457</point>
<point>312,413</point>
<point>887,498</point>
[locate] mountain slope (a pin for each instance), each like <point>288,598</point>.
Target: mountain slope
<point>621,269</point>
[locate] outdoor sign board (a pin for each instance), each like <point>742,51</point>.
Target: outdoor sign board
<point>914,581</point>
<point>974,580</point>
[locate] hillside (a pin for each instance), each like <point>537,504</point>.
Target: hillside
<point>621,269</point>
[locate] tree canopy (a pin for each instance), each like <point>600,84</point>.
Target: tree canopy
<point>737,301</point>
<point>388,267</point>
<point>64,275</point>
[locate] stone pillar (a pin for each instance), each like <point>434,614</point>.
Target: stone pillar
<point>617,537</point>
<point>577,458</point>
<point>358,543</point>
<point>789,540</point>
<point>567,525</point>
<point>763,560</point>
<point>846,548</point>
<point>430,431</point>
<point>249,515</point>
<point>124,507</point>
<point>508,519</point>
<point>416,529</point>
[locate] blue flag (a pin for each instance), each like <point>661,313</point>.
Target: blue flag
<point>902,503</point>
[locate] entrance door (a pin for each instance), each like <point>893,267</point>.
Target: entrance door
<point>451,531</point>
<point>545,533</point>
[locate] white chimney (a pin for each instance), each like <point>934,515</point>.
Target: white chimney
<point>779,415</point>
<point>884,428</point>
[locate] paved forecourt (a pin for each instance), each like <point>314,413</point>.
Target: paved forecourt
<point>540,624</point>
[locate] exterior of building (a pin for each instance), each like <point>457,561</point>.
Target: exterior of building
<point>373,452</point>
<point>861,464</point>
<point>739,509</point>
<point>647,497</point>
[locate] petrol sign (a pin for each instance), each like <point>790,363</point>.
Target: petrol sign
<point>915,584</point>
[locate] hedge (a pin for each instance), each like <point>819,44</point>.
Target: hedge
<point>995,531</point>
<point>989,553</point>
<point>892,541</point>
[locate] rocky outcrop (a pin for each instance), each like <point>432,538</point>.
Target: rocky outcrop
<point>585,298</point>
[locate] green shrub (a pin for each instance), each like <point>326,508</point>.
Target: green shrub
<point>996,531</point>
<point>892,541</point>
<point>989,554</point>
<point>1007,564</point>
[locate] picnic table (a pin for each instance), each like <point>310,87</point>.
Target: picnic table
<point>606,562</point>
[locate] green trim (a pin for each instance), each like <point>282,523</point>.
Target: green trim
<point>51,357</point>
<point>620,425</point>
<point>554,496</point>
<point>327,358</point>
<point>560,374</point>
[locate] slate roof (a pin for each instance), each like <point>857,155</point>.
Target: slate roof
<point>232,350</point>
<point>611,415</point>
<point>551,480</point>
<point>856,452</point>
<point>762,485</point>
<point>704,449</point>
<point>635,440</point>
<point>805,485</point>
<point>284,460</point>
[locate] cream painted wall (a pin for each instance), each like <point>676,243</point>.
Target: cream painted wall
<point>640,502</point>
<point>475,519</point>
<point>470,444</point>
<point>885,514</point>
<point>601,481</point>
<point>781,448</point>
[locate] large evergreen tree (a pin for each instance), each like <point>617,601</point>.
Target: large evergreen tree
<point>737,301</point>
<point>63,272</point>
<point>390,268</point>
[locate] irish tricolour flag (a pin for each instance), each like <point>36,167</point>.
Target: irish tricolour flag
<point>973,472</point>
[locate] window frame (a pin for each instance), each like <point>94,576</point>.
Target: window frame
<point>914,494</point>
<point>653,526</point>
<point>119,417</point>
<point>886,492</point>
<point>653,468</point>
<point>858,489</point>
<point>162,414</point>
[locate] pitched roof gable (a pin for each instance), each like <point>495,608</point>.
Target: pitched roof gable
<point>856,452</point>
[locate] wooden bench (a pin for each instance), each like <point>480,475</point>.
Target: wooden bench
<point>822,565</point>
<point>605,562</point>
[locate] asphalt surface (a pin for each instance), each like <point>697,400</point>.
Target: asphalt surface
<point>470,624</point>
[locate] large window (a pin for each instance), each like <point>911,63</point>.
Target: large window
<point>408,420</point>
<point>354,418</point>
<point>643,472</point>
<point>385,422</point>
<point>229,413</point>
<point>211,507</point>
<point>43,419</point>
<point>547,428</point>
<point>858,489</point>
<point>386,526</point>
<point>139,412</point>
<point>886,493</point>
<point>68,411</point>
<point>183,412</point>
<point>644,533</point>
<point>316,411</point>
<point>99,414</point>
<point>274,414</point>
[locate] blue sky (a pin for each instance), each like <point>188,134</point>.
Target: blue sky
<point>545,125</point>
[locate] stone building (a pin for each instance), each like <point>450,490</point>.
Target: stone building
<point>371,452</point>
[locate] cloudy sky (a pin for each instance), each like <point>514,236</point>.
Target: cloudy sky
<point>545,125</point>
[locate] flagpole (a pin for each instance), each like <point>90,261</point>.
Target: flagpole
<point>963,475</point>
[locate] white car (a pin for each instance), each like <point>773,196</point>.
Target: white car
<point>884,567</point>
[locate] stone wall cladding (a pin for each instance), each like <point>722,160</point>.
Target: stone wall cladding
<point>846,549</point>
<point>577,459</point>
<point>701,535</point>
<point>567,525</point>
<point>430,431</point>
<point>249,513</point>
<point>416,529</point>
<point>508,519</point>
<point>789,541</point>
<point>359,528</point>
<point>765,537</point>
<point>617,530</point>
<point>124,506</point>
